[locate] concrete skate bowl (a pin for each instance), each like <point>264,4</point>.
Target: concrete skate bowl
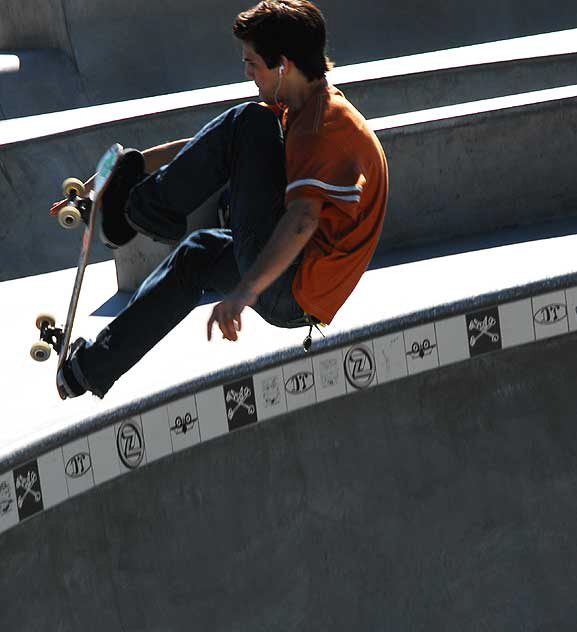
<point>108,51</point>
<point>441,500</point>
<point>480,168</point>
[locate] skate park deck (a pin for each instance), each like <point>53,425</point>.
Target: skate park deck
<point>67,143</point>
<point>415,471</point>
<point>473,488</point>
<point>101,57</point>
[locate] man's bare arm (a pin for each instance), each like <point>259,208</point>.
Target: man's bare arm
<point>290,236</point>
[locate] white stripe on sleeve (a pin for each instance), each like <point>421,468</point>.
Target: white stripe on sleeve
<point>324,185</point>
<point>347,198</point>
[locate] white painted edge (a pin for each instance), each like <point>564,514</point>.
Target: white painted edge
<point>295,385</point>
<point>474,107</point>
<point>9,63</point>
<point>535,46</point>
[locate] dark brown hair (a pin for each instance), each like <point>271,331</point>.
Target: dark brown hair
<point>293,28</point>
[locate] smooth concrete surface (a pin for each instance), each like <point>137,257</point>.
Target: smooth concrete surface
<point>442,501</point>
<point>44,81</point>
<point>481,168</point>
<point>130,51</point>
<point>454,171</point>
<point>35,414</point>
<point>9,63</point>
<point>377,88</point>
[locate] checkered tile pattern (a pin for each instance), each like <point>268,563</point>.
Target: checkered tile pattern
<point>132,443</point>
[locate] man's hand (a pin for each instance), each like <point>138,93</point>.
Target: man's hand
<point>290,236</point>
<point>227,313</point>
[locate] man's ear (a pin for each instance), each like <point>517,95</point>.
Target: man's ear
<point>284,64</point>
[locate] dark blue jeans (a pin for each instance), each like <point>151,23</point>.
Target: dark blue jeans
<point>243,147</point>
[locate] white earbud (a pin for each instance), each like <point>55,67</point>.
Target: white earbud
<point>281,69</point>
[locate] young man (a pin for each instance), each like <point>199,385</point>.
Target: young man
<point>308,187</point>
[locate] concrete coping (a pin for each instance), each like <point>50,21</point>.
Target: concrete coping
<point>9,63</point>
<point>476,282</point>
<point>473,107</point>
<point>119,441</point>
<point>55,123</point>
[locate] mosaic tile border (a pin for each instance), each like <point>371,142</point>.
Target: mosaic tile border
<point>84,463</point>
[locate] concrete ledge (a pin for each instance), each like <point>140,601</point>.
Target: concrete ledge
<point>537,61</point>
<point>452,406</point>
<point>9,63</point>
<point>37,153</point>
<point>104,39</point>
<point>45,81</point>
<point>388,300</point>
<point>481,167</point>
<point>455,171</point>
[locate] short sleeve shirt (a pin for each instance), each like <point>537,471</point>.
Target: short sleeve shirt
<point>332,154</point>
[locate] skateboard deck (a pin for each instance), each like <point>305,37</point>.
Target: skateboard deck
<point>79,208</point>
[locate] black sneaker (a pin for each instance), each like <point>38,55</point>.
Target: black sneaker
<point>114,229</point>
<point>170,230</point>
<point>67,382</point>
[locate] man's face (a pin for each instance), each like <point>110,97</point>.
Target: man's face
<point>267,80</point>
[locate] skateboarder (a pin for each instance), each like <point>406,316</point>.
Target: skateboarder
<point>308,188</point>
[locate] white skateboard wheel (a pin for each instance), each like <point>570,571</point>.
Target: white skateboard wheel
<point>47,319</point>
<point>69,217</point>
<point>40,351</point>
<point>73,185</point>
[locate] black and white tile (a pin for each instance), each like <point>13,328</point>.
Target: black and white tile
<point>8,507</point>
<point>183,423</point>
<point>421,349</point>
<point>550,315</point>
<point>105,454</point>
<point>29,500</point>
<point>130,444</point>
<point>270,394</point>
<point>359,366</point>
<point>77,462</point>
<point>299,384</point>
<point>329,374</point>
<point>240,403</point>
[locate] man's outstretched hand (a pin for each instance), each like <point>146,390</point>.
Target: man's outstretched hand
<point>227,313</point>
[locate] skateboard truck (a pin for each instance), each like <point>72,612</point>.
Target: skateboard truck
<point>77,208</point>
<point>50,337</point>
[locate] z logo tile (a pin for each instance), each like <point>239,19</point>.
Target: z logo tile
<point>28,490</point>
<point>483,331</point>
<point>360,368</point>
<point>130,444</point>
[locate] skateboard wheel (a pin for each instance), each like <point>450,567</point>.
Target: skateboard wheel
<point>73,185</point>
<point>47,319</point>
<point>69,217</point>
<point>40,351</point>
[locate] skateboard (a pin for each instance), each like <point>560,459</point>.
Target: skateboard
<point>79,209</point>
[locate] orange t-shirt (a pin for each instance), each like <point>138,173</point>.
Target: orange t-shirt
<point>332,154</point>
